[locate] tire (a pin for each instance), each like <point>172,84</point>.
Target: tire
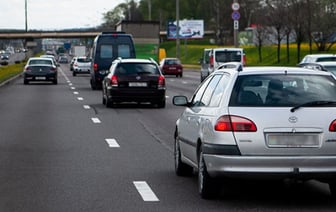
<point>332,187</point>
<point>93,85</point>
<point>181,75</point>
<point>206,185</point>
<point>162,104</point>
<point>26,82</point>
<point>55,82</point>
<point>108,103</point>
<point>74,73</point>
<point>181,169</point>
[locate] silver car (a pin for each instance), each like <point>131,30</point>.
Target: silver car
<point>258,121</point>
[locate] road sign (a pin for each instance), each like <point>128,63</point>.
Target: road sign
<point>235,24</point>
<point>235,6</point>
<point>235,15</point>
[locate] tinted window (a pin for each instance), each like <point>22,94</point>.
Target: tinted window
<point>136,68</point>
<point>325,59</point>
<point>228,56</point>
<point>47,62</point>
<point>172,62</point>
<point>124,51</point>
<point>83,60</point>
<point>282,90</point>
<point>106,51</point>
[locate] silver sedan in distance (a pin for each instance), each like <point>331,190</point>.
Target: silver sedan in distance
<point>264,122</point>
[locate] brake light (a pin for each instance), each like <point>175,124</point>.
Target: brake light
<point>161,82</point>
<point>53,69</point>
<point>244,60</point>
<point>27,69</point>
<point>95,67</point>
<point>235,124</point>
<point>211,60</point>
<point>332,126</point>
<point>114,81</point>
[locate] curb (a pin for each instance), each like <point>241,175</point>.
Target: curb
<point>9,80</point>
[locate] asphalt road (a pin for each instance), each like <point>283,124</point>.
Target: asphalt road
<point>62,150</point>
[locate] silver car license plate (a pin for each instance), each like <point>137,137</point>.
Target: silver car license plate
<point>292,140</point>
<point>40,78</point>
<point>137,84</point>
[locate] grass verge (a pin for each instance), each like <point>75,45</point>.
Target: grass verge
<point>9,71</point>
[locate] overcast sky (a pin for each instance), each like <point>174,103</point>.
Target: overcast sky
<point>54,14</point>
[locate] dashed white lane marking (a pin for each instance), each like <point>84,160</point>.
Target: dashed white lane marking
<point>75,92</point>
<point>87,107</point>
<point>70,84</point>
<point>80,98</point>
<point>112,142</point>
<point>73,88</point>
<point>145,191</point>
<point>96,120</point>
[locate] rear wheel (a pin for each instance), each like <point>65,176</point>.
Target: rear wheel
<point>206,185</point>
<point>55,81</point>
<point>93,85</point>
<point>74,73</point>
<point>162,104</point>
<point>108,102</point>
<point>26,82</point>
<point>332,187</point>
<point>181,169</point>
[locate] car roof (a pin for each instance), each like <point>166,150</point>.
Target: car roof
<point>134,60</point>
<point>320,55</point>
<point>273,70</point>
<point>40,58</point>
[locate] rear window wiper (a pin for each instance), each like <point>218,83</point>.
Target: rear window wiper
<point>313,103</point>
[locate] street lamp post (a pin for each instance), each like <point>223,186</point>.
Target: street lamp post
<point>26,22</point>
<point>178,29</point>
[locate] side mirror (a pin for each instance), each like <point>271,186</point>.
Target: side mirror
<point>180,100</point>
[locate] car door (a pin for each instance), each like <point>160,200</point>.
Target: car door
<point>195,116</point>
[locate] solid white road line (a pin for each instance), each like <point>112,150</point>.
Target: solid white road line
<point>112,142</point>
<point>87,107</point>
<point>96,120</point>
<point>145,191</point>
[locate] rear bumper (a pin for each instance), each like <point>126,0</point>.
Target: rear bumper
<point>81,70</point>
<point>137,95</point>
<point>311,167</point>
<point>40,77</point>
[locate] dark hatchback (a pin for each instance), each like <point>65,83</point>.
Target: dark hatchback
<point>40,69</point>
<point>107,47</point>
<point>134,80</point>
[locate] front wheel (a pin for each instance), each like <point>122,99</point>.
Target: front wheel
<point>206,185</point>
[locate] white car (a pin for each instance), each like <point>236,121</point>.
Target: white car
<point>258,121</point>
<point>313,58</point>
<point>80,65</point>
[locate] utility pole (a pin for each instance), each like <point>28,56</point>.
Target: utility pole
<point>178,29</point>
<point>149,10</point>
<point>26,22</point>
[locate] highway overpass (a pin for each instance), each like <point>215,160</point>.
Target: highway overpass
<point>47,34</point>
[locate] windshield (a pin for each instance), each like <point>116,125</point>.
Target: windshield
<point>282,90</point>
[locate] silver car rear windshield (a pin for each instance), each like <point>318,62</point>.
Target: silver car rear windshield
<point>282,90</point>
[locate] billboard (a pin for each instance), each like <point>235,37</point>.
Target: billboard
<point>189,29</point>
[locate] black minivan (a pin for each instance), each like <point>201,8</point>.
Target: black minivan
<point>107,47</point>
